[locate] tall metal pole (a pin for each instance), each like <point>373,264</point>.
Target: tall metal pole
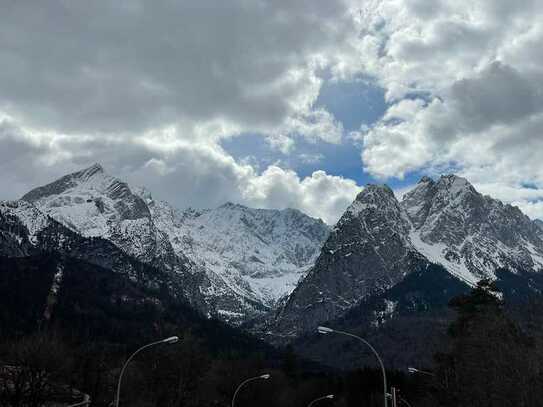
<point>394,396</point>
<point>172,339</point>
<point>326,330</point>
<point>263,377</point>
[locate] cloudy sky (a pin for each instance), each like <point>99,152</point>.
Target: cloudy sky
<point>274,103</point>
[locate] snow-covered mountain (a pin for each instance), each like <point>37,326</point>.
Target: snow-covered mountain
<point>96,204</point>
<point>236,262</point>
<point>25,232</point>
<point>258,253</point>
<point>379,241</point>
<point>471,235</point>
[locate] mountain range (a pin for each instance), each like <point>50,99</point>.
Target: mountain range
<point>380,240</point>
<point>280,273</point>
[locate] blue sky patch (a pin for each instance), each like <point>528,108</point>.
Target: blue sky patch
<point>352,103</point>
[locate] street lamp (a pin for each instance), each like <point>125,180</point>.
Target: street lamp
<point>261,377</point>
<point>329,396</point>
<point>325,330</point>
<point>170,340</point>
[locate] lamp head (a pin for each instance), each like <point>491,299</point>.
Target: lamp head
<point>324,330</point>
<point>330,396</point>
<point>171,339</point>
<point>412,370</point>
<point>265,376</point>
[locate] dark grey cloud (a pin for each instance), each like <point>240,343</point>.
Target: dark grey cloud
<point>499,94</point>
<point>24,161</point>
<point>122,66</point>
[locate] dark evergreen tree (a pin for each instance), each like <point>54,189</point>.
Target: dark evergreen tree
<point>489,361</point>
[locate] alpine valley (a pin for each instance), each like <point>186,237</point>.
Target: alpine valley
<point>275,273</point>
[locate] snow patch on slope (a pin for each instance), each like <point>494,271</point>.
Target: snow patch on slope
<point>260,254</point>
<point>436,252</point>
<point>32,218</point>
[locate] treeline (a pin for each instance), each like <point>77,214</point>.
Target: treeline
<point>493,357</point>
<point>188,374</point>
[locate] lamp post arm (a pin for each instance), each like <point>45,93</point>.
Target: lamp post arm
<point>317,400</point>
<point>381,364</point>
<point>86,402</point>
<point>118,393</point>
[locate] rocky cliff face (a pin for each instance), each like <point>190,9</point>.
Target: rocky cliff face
<point>470,234</point>
<point>367,252</point>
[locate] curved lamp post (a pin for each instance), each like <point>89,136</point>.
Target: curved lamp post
<point>415,370</point>
<point>405,402</point>
<point>325,330</point>
<point>329,396</point>
<point>170,340</point>
<point>261,377</point>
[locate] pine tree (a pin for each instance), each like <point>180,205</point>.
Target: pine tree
<point>488,361</point>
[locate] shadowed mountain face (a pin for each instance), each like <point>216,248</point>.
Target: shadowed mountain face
<point>379,241</point>
<point>97,304</point>
<point>235,262</point>
<point>367,252</point>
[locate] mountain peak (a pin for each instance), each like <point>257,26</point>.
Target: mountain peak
<point>454,183</point>
<point>426,180</point>
<point>372,190</point>
<point>231,205</point>
<point>87,173</point>
<point>94,168</point>
<point>89,201</point>
<point>379,188</point>
<point>372,196</point>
